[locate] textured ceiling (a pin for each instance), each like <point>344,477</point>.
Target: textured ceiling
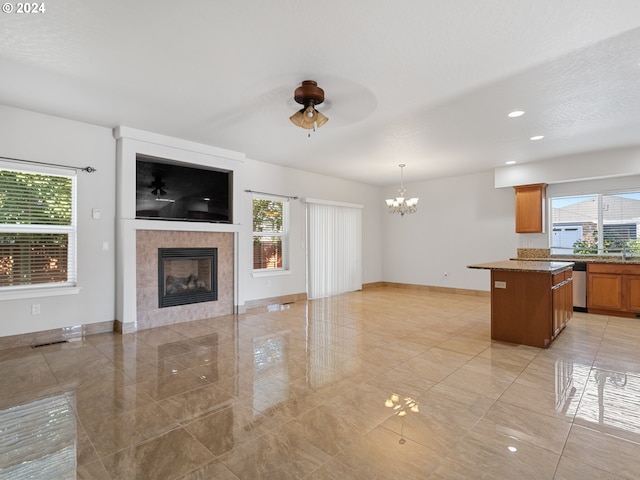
<point>423,82</point>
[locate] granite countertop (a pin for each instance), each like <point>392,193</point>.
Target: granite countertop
<point>582,258</point>
<point>524,266</point>
<point>545,255</point>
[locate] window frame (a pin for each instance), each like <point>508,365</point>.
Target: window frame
<point>284,236</point>
<point>599,221</point>
<point>70,286</point>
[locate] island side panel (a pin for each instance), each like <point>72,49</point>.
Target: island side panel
<point>521,307</point>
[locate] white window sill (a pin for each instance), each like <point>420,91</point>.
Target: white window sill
<point>270,273</point>
<point>38,292</point>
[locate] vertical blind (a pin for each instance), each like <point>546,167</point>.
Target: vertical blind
<point>335,249</point>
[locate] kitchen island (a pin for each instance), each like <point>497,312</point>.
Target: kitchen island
<point>531,301</point>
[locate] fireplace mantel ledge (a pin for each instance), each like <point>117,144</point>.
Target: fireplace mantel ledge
<point>137,224</point>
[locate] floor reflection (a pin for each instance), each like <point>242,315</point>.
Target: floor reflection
<point>271,371</point>
<point>611,402</point>
<point>38,439</point>
<point>303,391</point>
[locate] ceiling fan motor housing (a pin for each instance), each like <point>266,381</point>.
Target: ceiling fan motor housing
<point>309,94</point>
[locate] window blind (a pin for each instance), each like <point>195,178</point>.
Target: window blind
<point>270,233</point>
<point>335,249</point>
<point>596,224</point>
<point>38,229</point>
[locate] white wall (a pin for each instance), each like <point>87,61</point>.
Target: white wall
<point>260,176</point>
<point>460,221</point>
<point>600,164</point>
<point>45,138</point>
<point>37,137</point>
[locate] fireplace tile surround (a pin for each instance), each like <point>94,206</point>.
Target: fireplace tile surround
<point>148,242</point>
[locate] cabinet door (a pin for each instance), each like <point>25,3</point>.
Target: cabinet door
<point>631,285</point>
<point>557,311</point>
<point>568,302</point>
<point>604,291</point>
<point>530,208</point>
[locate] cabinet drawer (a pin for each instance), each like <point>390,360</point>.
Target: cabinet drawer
<point>614,268</point>
<point>562,276</point>
<point>558,278</point>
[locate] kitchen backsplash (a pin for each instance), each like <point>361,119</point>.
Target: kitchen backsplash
<point>534,252</point>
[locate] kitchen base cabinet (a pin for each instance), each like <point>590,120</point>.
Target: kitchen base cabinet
<point>562,300</point>
<point>531,302</point>
<point>632,292</point>
<point>613,289</point>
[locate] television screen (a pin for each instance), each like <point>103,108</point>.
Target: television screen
<point>167,190</point>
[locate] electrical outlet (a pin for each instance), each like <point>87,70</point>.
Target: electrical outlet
<point>35,309</point>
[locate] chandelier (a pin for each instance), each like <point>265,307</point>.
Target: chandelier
<point>400,204</point>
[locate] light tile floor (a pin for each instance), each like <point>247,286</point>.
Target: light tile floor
<point>299,392</point>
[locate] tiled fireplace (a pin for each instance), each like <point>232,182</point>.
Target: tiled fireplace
<point>150,313</point>
<point>139,240</point>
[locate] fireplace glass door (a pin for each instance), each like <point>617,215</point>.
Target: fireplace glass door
<point>187,275</point>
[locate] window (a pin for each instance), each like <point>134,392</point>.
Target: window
<point>37,229</point>
<point>596,224</point>
<point>270,233</point>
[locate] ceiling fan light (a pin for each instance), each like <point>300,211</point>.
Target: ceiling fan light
<point>321,119</point>
<point>307,123</point>
<point>297,118</point>
<point>309,95</point>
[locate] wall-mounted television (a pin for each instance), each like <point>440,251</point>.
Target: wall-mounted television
<point>171,190</point>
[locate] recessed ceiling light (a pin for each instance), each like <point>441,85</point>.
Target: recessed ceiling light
<point>537,137</point>
<point>510,162</point>
<point>516,113</point>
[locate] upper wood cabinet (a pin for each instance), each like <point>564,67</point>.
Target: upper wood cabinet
<point>530,200</point>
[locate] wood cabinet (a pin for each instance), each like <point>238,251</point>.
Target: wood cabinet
<point>613,289</point>
<point>530,308</point>
<point>530,203</point>
<point>562,291</point>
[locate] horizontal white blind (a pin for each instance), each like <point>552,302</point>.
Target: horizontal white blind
<point>270,233</point>
<point>335,249</point>
<point>596,224</point>
<point>37,229</point>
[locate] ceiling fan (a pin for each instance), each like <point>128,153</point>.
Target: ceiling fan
<point>157,185</point>
<point>309,94</point>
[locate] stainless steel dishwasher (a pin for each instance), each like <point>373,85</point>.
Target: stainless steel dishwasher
<point>580,287</point>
